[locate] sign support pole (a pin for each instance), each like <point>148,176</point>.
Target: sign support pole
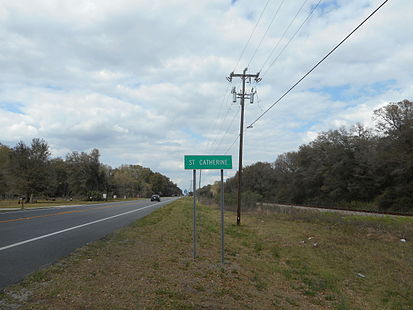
<point>194,213</point>
<point>199,162</point>
<point>222,218</point>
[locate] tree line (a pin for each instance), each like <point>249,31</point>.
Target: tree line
<point>29,171</point>
<point>355,168</point>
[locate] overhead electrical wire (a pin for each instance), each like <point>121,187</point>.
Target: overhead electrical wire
<point>226,132</point>
<point>284,33</point>
<point>291,38</point>
<point>219,114</point>
<point>266,31</point>
<point>315,66</point>
<point>262,39</point>
<point>236,139</point>
<point>237,135</point>
<point>259,45</point>
<point>209,144</point>
<point>252,33</point>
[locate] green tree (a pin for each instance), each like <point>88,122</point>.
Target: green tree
<point>85,174</point>
<point>59,186</point>
<point>29,168</point>
<point>135,180</point>
<point>395,119</point>
<point>395,123</point>
<point>260,178</point>
<point>128,181</point>
<point>4,163</point>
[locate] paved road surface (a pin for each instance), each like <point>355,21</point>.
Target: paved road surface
<point>32,239</point>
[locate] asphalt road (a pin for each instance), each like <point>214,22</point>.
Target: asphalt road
<point>33,239</point>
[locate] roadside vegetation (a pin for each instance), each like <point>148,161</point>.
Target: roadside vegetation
<point>294,260</point>
<point>28,172</point>
<point>356,168</point>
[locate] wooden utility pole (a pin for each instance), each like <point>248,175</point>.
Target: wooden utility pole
<point>244,76</point>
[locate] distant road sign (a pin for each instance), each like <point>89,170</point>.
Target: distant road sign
<point>197,162</point>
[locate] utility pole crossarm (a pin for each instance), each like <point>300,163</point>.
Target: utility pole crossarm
<point>244,75</point>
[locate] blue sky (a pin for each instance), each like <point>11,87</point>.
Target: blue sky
<point>13,107</point>
<point>349,93</point>
<point>144,81</point>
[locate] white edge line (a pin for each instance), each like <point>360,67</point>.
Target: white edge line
<point>72,228</point>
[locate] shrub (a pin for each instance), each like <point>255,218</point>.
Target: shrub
<point>94,196</point>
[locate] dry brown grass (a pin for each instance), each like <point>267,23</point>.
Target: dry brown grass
<point>273,262</point>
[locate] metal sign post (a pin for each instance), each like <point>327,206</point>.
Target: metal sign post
<point>194,162</point>
<point>194,215</point>
<point>222,218</point>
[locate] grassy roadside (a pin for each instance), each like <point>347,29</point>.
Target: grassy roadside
<point>58,202</point>
<point>274,261</point>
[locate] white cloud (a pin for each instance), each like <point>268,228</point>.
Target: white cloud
<point>144,81</point>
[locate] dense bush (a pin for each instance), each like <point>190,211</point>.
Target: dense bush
<point>356,168</point>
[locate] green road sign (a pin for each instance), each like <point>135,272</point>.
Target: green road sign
<point>208,162</point>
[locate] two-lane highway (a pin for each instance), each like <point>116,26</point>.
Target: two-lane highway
<point>32,239</point>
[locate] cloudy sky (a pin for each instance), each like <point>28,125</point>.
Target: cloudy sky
<point>144,81</point>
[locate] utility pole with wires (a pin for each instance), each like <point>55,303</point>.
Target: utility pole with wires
<point>242,95</point>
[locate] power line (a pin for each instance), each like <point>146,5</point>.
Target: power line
<point>293,36</point>
<point>226,131</point>
<point>265,33</point>
<point>225,99</point>
<point>213,145</point>
<point>322,60</point>
<point>284,33</point>
<point>232,144</point>
<point>209,144</point>
<point>252,32</point>
<point>219,115</point>
<point>239,59</point>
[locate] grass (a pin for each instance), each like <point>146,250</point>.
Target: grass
<point>273,261</point>
<point>9,203</point>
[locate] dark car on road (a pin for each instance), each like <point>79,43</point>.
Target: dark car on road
<point>155,198</point>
